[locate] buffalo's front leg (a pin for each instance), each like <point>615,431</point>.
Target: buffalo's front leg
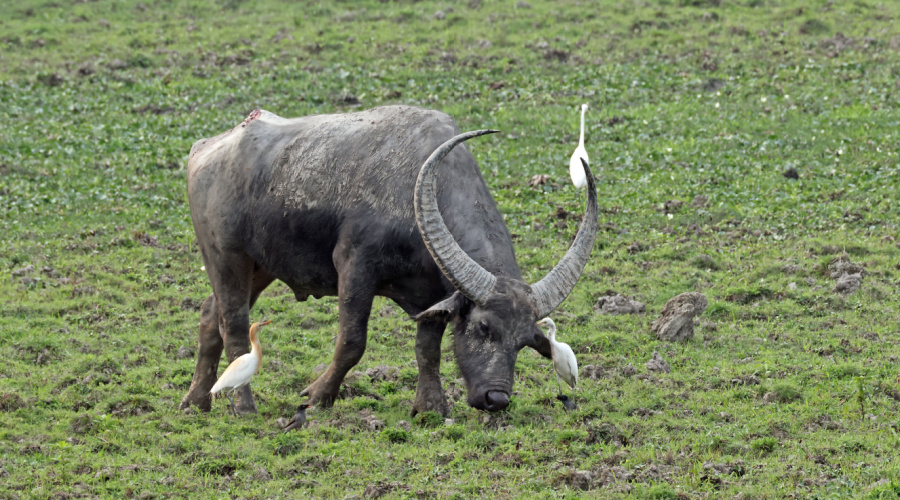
<point>209,350</point>
<point>429,391</point>
<point>355,303</point>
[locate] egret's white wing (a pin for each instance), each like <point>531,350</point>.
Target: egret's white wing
<point>567,365</point>
<point>238,373</point>
<point>576,169</point>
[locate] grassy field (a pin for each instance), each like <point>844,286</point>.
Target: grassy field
<point>745,149</point>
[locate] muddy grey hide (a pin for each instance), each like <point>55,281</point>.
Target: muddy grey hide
<point>381,202</point>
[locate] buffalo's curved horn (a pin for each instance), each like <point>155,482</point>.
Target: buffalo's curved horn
<point>550,291</point>
<point>474,281</point>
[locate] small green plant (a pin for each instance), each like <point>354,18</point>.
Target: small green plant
<point>395,435</point>
<point>861,396</point>
<point>388,387</point>
<point>814,26</point>
<point>764,445</point>
<point>844,370</point>
<point>570,435</point>
<point>429,419</point>
<point>454,432</point>
<point>889,491</point>
<point>218,466</point>
<point>364,403</point>
<point>10,401</point>
<point>718,443</point>
<point>408,376</point>
<point>786,392</point>
<point>661,491</point>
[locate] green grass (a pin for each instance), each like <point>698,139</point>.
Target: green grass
<point>786,389</point>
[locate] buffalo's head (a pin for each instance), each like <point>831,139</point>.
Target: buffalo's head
<point>493,317</point>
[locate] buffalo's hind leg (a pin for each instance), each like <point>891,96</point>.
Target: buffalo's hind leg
<point>224,325</point>
<point>429,391</point>
<point>209,351</point>
<point>355,294</point>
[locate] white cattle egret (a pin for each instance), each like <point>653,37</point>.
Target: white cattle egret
<point>242,369</point>
<point>563,358</point>
<point>299,419</point>
<point>576,169</point>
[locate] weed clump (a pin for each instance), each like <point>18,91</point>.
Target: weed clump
<point>217,467</point>
<point>408,376</point>
<point>570,435</point>
<point>82,424</point>
<point>704,261</point>
<point>718,444</point>
<point>814,27</point>
<point>764,445</point>
<point>845,370</point>
<point>10,401</point>
<point>454,432</point>
<point>429,419</point>
<point>661,492</point>
<point>887,491</point>
<point>361,403</point>
<point>786,393</point>
<point>396,435</point>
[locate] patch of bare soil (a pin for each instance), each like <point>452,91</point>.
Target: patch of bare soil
<point>381,488</point>
<point>614,304</point>
<point>676,321</point>
<point>658,364</point>
<point>849,276</point>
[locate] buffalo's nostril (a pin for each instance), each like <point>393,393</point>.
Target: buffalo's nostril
<point>496,400</point>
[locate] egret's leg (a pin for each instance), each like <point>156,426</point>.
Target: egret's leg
<point>230,396</point>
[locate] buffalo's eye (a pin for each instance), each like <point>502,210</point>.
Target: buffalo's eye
<point>484,329</point>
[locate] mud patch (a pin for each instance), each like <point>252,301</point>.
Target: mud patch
<point>145,239</point>
<point>10,401</point>
<point>614,304</point>
<point>379,489</point>
<point>658,364</point>
<point>383,373</point>
<point>189,304</point>
<point>676,321</point>
<point>605,433</point>
<point>592,372</point>
<point>849,276</point>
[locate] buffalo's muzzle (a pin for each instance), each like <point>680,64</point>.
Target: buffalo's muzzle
<point>495,401</point>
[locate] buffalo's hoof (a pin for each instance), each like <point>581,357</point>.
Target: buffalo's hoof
<point>322,392</point>
<point>245,410</point>
<point>203,402</point>
<point>433,402</point>
<point>319,399</point>
<point>244,403</point>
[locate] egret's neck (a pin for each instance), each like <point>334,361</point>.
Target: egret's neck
<point>581,137</point>
<point>255,347</point>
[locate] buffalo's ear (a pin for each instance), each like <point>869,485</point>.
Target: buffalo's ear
<point>445,309</point>
<point>541,344</point>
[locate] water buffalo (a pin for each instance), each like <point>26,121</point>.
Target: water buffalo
<point>353,205</point>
